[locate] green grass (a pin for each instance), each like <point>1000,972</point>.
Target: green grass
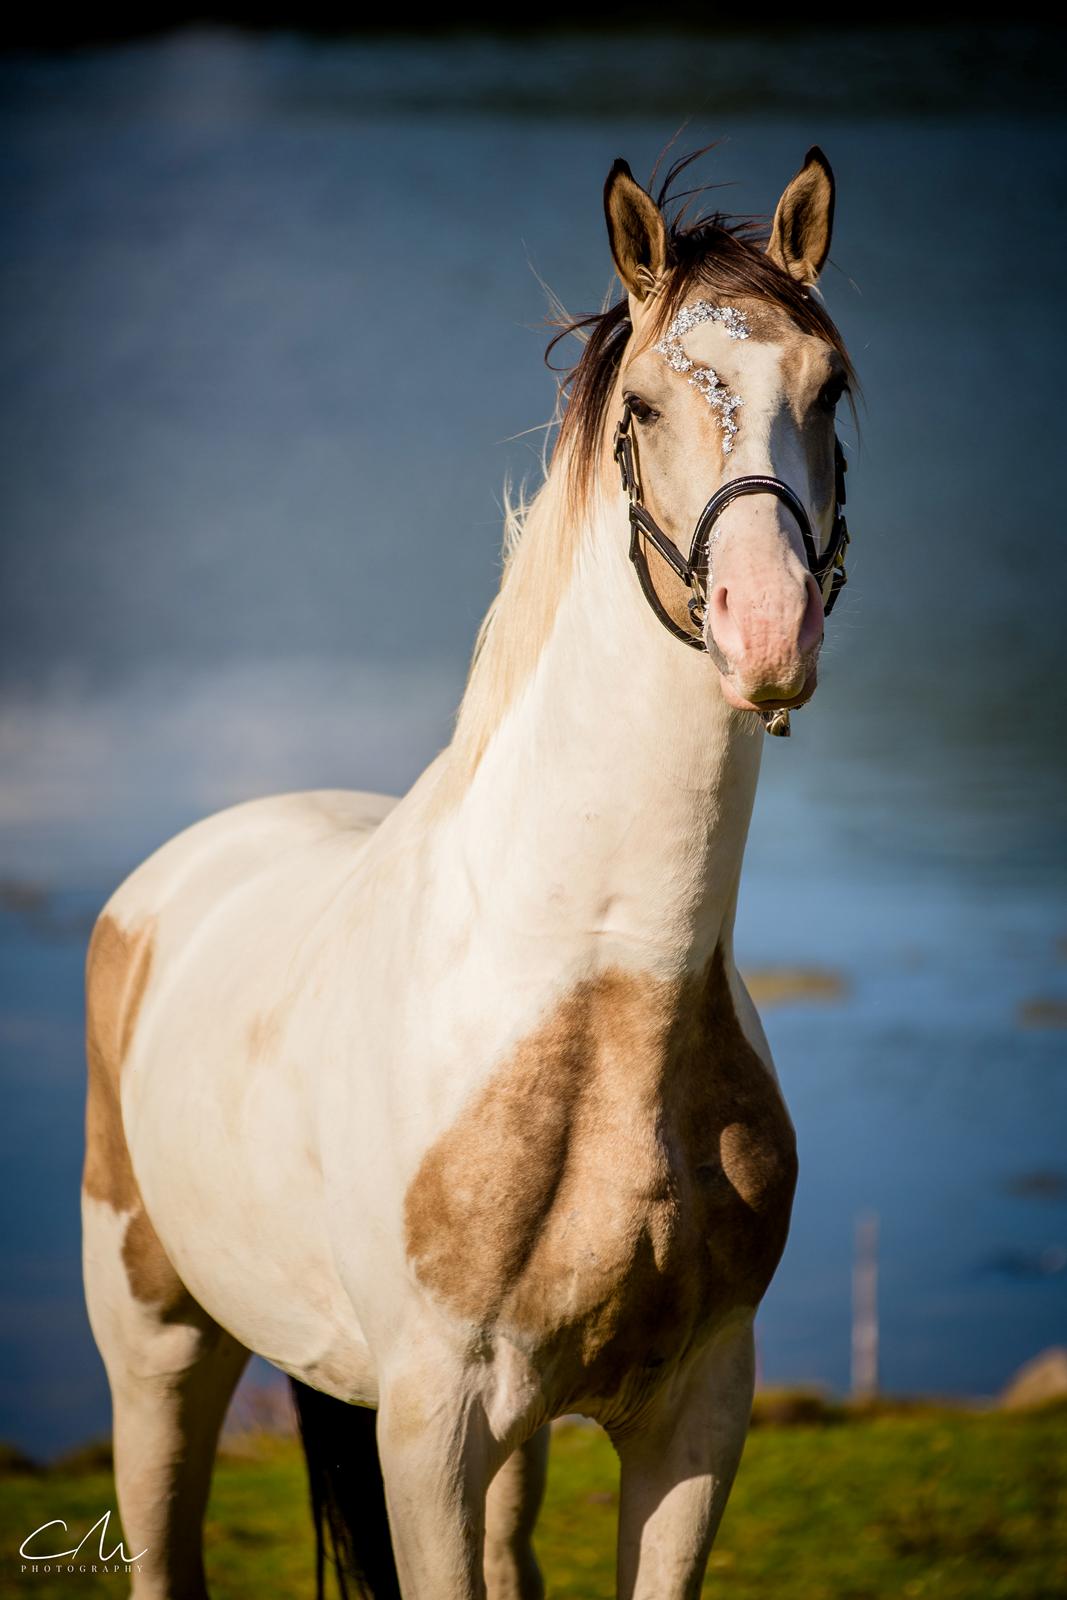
<point>951,1505</point>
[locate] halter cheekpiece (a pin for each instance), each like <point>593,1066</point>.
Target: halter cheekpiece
<point>828,569</point>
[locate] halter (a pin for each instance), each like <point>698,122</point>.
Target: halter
<point>827,569</point>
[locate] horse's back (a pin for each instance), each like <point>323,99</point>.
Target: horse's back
<point>184,884</point>
<point>223,852</point>
<point>169,1125</point>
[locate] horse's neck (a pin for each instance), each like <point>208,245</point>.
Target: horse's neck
<point>605,820</point>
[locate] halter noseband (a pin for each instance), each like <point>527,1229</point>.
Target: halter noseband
<point>827,569</point>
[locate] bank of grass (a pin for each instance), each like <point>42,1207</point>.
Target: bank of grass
<point>953,1505</point>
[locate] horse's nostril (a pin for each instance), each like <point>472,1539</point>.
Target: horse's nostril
<point>766,636</point>
<point>722,625</point>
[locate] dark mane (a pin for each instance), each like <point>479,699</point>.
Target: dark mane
<point>725,256</point>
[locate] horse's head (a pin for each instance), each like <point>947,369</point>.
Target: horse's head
<point>724,369</point>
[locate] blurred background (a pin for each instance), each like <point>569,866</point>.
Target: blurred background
<point>272,341</point>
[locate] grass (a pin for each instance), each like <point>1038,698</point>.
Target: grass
<point>952,1505</point>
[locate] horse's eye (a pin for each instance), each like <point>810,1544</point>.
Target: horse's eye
<point>831,394</point>
<point>640,410</point>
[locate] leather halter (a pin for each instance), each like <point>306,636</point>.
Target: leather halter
<point>828,569</point>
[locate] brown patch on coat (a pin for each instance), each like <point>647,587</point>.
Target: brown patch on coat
<point>118,970</point>
<point>116,976</point>
<point>623,1181</point>
<point>149,1272</point>
<point>264,1034</point>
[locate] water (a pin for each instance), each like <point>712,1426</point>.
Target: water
<point>272,343</point>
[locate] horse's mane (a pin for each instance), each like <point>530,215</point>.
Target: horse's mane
<point>726,256</point>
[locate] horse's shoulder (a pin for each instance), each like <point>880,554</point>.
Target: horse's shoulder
<point>633,1151</point>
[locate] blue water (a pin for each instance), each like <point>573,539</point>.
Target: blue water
<point>271,344</point>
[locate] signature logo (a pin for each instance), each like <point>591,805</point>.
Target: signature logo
<point>38,1554</point>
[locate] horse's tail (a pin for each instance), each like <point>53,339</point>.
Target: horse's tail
<point>347,1496</point>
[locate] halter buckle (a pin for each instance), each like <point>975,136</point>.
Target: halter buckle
<point>623,452</point>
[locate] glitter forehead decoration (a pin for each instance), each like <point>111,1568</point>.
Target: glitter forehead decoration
<point>703,379</point>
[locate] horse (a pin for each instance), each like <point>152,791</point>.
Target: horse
<point>455,1108</point>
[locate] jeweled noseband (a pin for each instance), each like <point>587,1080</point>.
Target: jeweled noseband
<point>828,569</point>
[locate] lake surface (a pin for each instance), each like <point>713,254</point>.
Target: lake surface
<point>272,344</point>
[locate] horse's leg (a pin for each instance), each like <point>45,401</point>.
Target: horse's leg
<point>514,1499</point>
<point>172,1371</point>
<point>677,1470</point>
<point>438,1457</point>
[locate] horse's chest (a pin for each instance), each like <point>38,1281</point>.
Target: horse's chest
<point>622,1180</point>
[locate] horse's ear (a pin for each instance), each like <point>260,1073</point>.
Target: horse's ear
<point>636,229</point>
<point>800,233</point>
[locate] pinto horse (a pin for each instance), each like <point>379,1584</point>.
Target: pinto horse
<point>455,1108</point>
